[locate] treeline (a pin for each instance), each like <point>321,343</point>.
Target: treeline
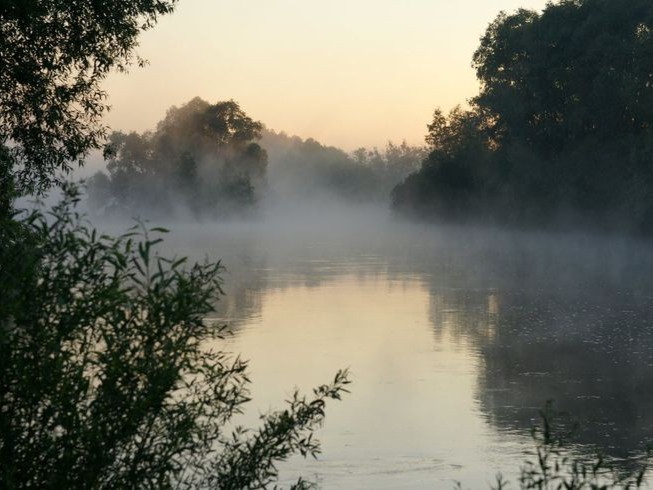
<point>561,131</point>
<point>307,169</point>
<point>213,161</point>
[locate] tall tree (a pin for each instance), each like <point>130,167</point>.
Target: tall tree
<point>581,69</point>
<point>564,117</point>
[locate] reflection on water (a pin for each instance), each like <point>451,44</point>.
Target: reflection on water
<point>455,339</point>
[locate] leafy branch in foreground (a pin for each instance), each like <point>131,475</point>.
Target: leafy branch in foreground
<point>552,465</point>
<point>109,377</point>
<point>54,56</point>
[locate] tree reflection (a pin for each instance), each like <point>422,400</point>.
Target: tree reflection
<point>590,349</point>
<point>546,317</point>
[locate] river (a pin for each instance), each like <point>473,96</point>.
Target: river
<point>454,337</point>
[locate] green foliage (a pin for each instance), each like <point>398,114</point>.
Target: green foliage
<point>201,158</point>
<point>54,54</point>
<point>109,374</point>
<point>453,179</point>
<point>578,70</point>
<point>561,132</point>
<point>200,127</point>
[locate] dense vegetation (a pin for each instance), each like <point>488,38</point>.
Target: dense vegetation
<point>561,131</point>
<point>110,375</point>
<point>213,161</point>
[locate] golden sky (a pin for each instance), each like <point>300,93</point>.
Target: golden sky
<point>348,73</point>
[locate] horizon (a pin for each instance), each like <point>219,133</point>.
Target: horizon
<point>347,75</point>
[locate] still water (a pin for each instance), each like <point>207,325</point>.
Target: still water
<point>455,338</point>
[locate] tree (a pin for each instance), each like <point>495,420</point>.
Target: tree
<point>391,165</point>
<point>581,69</point>
<point>201,156</point>
<point>54,55</point>
<point>202,127</point>
<point>456,174</point>
<point>570,92</point>
<point>561,132</point>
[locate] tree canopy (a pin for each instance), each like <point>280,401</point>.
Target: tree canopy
<point>54,55</point>
<point>202,157</point>
<point>580,69</point>
<point>562,129</point>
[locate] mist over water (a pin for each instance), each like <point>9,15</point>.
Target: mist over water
<point>456,336</point>
<point>528,280</point>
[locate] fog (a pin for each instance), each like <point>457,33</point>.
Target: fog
<point>465,331</point>
<point>466,282</point>
<point>528,316</point>
<point>464,324</point>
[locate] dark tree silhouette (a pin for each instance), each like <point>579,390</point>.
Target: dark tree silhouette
<point>53,58</point>
<point>561,131</point>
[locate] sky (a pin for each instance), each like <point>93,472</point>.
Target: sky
<point>349,73</point>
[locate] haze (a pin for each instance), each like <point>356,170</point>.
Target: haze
<point>471,269</point>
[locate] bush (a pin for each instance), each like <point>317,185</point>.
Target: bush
<point>106,376</point>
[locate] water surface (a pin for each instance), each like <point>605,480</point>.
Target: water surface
<point>454,338</point>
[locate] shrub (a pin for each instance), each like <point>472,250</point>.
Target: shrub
<point>107,378</point>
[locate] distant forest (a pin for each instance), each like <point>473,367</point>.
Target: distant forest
<point>560,135</point>
<point>212,161</point>
<point>561,132</point>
